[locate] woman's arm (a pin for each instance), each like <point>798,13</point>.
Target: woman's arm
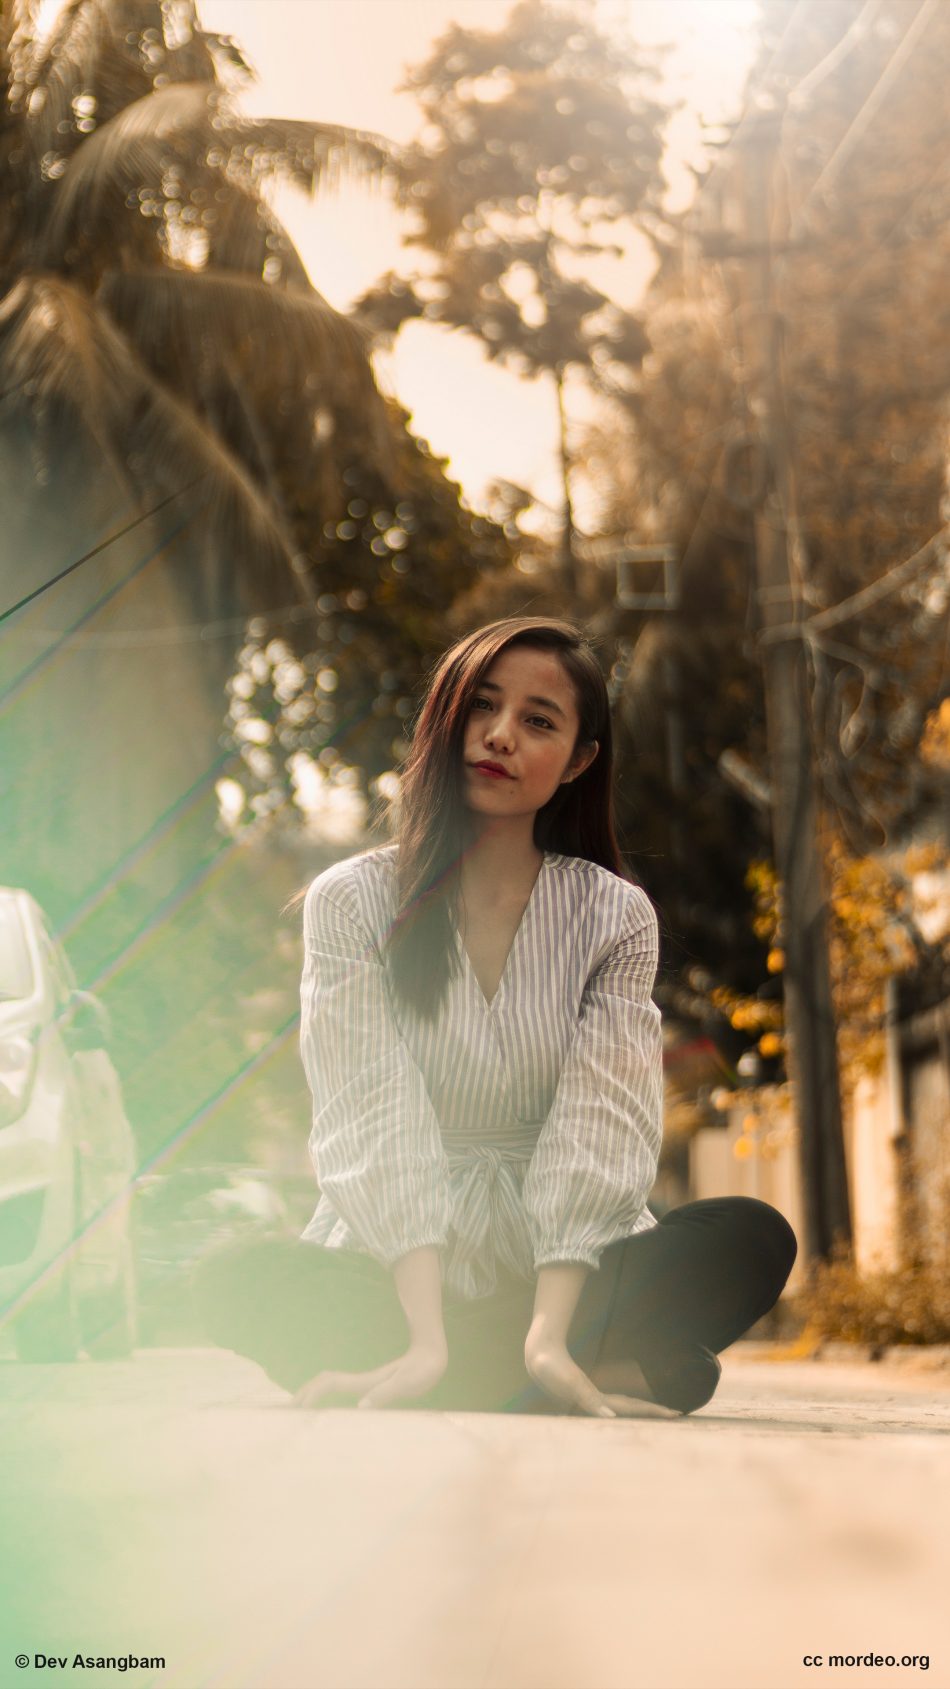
<point>546,1355</point>
<point>418,1280</point>
<point>595,1160</point>
<point>375,1141</point>
<point>555,1299</point>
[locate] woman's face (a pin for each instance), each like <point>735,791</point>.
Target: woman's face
<point>523,718</point>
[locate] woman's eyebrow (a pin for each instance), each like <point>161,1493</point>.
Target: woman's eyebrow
<point>532,697</point>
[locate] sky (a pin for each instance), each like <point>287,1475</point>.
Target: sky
<point>341,61</point>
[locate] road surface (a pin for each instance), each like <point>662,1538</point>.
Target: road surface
<point>175,1507</point>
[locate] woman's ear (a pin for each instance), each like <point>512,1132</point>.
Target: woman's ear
<point>581,760</point>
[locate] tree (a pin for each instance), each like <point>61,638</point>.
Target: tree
<point>866,373</point>
<point>148,295</point>
<point>165,359</point>
<point>656,460</point>
<point>539,141</point>
<point>153,308</point>
<point>867,354</point>
<point>396,577</point>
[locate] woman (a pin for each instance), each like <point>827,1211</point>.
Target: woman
<point>485,1063</point>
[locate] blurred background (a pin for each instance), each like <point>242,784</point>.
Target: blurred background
<point>329,331</point>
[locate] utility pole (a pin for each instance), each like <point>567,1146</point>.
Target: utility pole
<point>809,1014</point>
<point>629,597</point>
<point>567,553</point>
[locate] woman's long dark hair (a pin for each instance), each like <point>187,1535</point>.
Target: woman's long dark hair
<point>577,820</point>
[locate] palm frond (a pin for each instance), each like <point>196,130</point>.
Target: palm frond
<point>195,125</point>
<point>244,234</point>
<point>62,359</point>
<point>92,52</point>
<point>312,155</point>
<point>285,341</point>
<point>121,156</point>
<point>17,18</point>
<point>17,35</point>
<point>85,55</point>
<point>298,333</point>
<point>69,30</point>
<point>183,52</point>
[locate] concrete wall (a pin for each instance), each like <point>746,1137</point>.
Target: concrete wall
<point>925,1145</point>
<point>718,1167</point>
<point>873,1128</point>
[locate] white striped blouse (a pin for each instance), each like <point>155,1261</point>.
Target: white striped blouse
<point>521,1132</point>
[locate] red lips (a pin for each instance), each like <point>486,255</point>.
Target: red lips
<point>494,768</point>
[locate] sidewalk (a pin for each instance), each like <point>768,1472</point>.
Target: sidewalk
<point>906,1357</point>
<point>800,1513</point>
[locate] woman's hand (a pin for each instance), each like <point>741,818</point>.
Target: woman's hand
<point>550,1364</point>
<point>412,1375</point>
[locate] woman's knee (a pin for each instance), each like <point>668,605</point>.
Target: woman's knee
<point>773,1229</point>
<point>238,1280</point>
<point>685,1383</point>
<point>749,1219</point>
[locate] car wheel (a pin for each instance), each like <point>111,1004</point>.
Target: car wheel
<point>48,1328</point>
<point>109,1317</point>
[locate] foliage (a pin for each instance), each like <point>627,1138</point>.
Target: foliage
<point>905,1304</point>
<point>873,936</point>
<point>334,707</point>
<point>934,747</point>
<point>150,299</point>
<point>538,138</point>
<point>656,464</point>
<point>866,374</point>
<point>539,142</point>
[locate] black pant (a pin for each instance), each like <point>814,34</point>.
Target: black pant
<point>670,1298</point>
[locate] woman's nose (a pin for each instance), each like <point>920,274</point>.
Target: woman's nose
<point>499,732</point>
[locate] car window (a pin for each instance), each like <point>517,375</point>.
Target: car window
<point>16,970</point>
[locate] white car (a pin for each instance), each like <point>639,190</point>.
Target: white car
<point>67,1155</point>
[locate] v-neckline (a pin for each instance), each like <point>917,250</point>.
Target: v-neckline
<point>519,930</point>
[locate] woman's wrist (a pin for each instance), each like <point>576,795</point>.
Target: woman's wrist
<point>418,1280</point>
<point>556,1297</point>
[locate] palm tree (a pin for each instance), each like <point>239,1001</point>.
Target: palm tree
<point>151,299</point>
<point>160,340</point>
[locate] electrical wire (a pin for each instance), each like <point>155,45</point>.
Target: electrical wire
<point>856,31</point>
<point>97,550</point>
<point>818,647</point>
<point>891,581</point>
<point>860,123</point>
<point>177,632</point>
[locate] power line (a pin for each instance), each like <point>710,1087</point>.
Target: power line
<point>842,49</point>
<point>887,583</point>
<point>62,638</point>
<point>102,546</point>
<point>748,117</point>
<point>859,124</point>
<point>177,632</point>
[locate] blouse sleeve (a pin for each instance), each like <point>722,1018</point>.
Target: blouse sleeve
<point>595,1160</point>
<point>375,1145</point>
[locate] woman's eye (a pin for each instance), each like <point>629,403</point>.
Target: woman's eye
<point>487,702</point>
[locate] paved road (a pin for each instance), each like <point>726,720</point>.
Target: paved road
<point>176,1506</point>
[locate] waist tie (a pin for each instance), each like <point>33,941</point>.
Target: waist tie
<point>489,1226</point>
